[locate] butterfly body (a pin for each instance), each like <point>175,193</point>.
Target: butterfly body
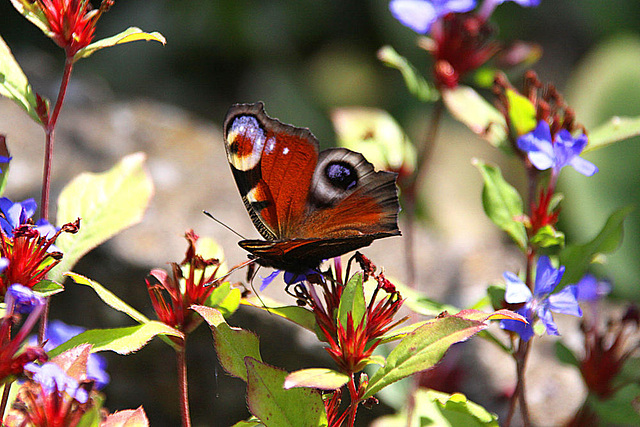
<point>307,205</point>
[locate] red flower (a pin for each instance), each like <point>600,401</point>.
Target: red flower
<point>463,43</point>
<point>540,213</point>
<point>28,255</point>
<point>172,305</point>
<point>72,22</point>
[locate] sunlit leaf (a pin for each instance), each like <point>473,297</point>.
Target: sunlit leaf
<point>120,340</point>
<point>482,118</point>
<point>423,348</point>
<point>275,406</point>
<point>107,203</point>
<point>4,166</point>
<point>417,85</point>
<point>577,258</point>
<point>616,129</point>
<point>321,378</point>
<point>375,134</point>
<point>14,84</point>
<point>548,236</point>
<point>522,112</point>
<point>31,10</point>
<point>131,34</point>
<point>232,344</point>
<point>502,203</point>
<point>109,297</point>
<point>225,299</point>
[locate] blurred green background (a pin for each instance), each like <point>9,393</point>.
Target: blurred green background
<point>305,57</point>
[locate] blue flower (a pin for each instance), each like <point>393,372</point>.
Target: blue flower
<point>15,214</point>
<point>563,151</point>
<point>289,278</point>
<point>591,289</point>
<point>419,15</point>
<point>542,301</point>
<point>52,378</point>
<point>59,332</point>
<point>22,299</point>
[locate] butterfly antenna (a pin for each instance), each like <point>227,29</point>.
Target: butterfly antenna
<point>224,225</point>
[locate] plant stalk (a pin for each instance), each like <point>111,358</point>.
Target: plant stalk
<point>181,358</point>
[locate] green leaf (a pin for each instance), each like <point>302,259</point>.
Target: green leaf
<point>277,407</point>
<point>522,113</point>
<point>225,299</point>
<point>482,118</point>
<point>107,203</point>
<point>232,344</point>
<point>109,297</point>
<point>422,348</point>
<point>417,85</point>
<point>548,236</point>
<point>14,84</point>
<point>46,288</point>
<point>120,340</point>
<point>502,203</point>
<point>432,408</point>
<point>352,302</point>
<point>248,423</point>
<point>565,355</point>
<point>322,378</point>
<point>375,134</point>
<point>298,315</point>
<point>577,258</point>
<point>616,129</point>
<point>131,34</point>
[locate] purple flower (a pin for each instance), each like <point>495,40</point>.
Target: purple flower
<point>591,289</point>
<point>542,302</point>
<point>59,332</point>
<point>419,15</point>
<point>563,151</point>
<point>53,379</point>
<point>22,299</point>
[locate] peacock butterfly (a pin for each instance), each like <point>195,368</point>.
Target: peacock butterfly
<point>308,206</point>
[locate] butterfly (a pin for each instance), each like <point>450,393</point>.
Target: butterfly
<point>307,205</point>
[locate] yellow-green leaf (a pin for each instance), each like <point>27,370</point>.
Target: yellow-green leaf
<point>321,378</point>
<point>14,84</point>
<point>131,34</point>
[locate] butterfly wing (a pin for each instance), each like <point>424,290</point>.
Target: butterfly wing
<point>272,164</point>
<point>308,206</point>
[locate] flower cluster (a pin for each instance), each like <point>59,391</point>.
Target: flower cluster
<point>70,23</point>
<point>462,41</point>
<point>27,247</point>
<point>191,282</point>
<point>351,342</point>
<point>542,301</point>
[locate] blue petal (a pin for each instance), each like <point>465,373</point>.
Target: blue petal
<point>446,6</point>
<point>547,319</point>
<point>23,299</point>
<point>525,3</point>
<point>415,14</point>
<point>4,263</point>
<point>537,144</point>
<point>590,289</point>
<point>583,166</point>
<point>517,291</point>
<point>547,277</point>
<point>51,377</point>
<point>565,301</point>
<point>266,281</point>
<point>525,330</point>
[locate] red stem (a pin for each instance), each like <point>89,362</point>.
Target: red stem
<point>353,408</point>
<point>49,130</point>
<point>184,386</point>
